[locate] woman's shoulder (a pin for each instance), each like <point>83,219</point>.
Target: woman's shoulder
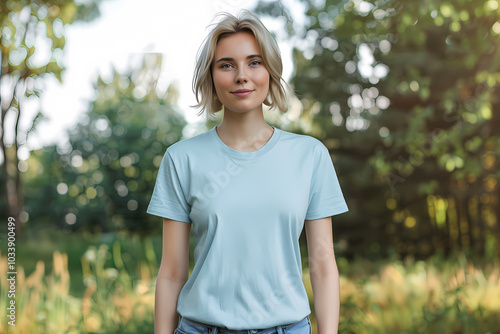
<point>307,141</point>
<point>188,146</point>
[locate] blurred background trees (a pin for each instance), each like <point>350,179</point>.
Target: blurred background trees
<point>23,68</point>
<point>405,94</point>
<point>102,179</point>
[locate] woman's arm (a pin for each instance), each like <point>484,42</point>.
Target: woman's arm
<point>172,274</point>
<point>324,274</point>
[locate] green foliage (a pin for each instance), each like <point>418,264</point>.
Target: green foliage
<point>26,24</point>
<point>407,91</point>
<point>102,179</point>
<point>119,294</point>
<point>455,295</point>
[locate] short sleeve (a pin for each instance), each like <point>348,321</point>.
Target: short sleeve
<point>168,199</point>
<point>325,197</point>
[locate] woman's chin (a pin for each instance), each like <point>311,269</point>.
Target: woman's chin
<point>241,108</point>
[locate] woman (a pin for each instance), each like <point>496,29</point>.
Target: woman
<point>246,189</point>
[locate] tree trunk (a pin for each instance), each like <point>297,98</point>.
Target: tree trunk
<point>12,180</point>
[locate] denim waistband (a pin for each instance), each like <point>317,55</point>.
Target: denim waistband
<point>221,329</point>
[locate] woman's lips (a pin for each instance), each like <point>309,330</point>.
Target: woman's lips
<point>242,94</point>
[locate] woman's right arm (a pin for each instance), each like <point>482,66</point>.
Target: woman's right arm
<point>172,275</point>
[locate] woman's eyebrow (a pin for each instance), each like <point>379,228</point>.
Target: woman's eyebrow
<point>231,59</point>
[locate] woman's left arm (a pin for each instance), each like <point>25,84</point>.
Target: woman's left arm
<point>324,274</point>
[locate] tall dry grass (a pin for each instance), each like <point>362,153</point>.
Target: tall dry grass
<point>436,296</point>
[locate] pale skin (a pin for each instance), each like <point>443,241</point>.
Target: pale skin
<point>243,128</point>
<point>324,274</point>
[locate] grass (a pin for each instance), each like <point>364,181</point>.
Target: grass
<point>114,280</point>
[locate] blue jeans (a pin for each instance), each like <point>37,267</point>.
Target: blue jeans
<point>187,326</point>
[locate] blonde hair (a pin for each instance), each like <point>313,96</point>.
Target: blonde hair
<point>203,86</point>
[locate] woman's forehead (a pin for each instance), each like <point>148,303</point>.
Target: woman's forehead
<point>240,44</point>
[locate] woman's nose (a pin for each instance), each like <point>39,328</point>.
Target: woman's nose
<point>241,75</point>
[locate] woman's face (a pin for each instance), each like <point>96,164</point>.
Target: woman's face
<point>238,66</point>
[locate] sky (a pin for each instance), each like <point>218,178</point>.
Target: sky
<point>122,32</point>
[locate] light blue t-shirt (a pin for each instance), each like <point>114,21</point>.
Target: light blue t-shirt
<point>248,211</point>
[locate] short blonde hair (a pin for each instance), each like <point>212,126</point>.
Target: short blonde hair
<point>203,86</point>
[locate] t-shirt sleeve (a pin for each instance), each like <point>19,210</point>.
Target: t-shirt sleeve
<point>325,197</point>
<point>168,198</point>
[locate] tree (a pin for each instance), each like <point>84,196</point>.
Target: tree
<point>405,93</point>
<point>103,178</point>
<point>20,75</point>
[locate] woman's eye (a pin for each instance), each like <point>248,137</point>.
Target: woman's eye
<point>256,62</point>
